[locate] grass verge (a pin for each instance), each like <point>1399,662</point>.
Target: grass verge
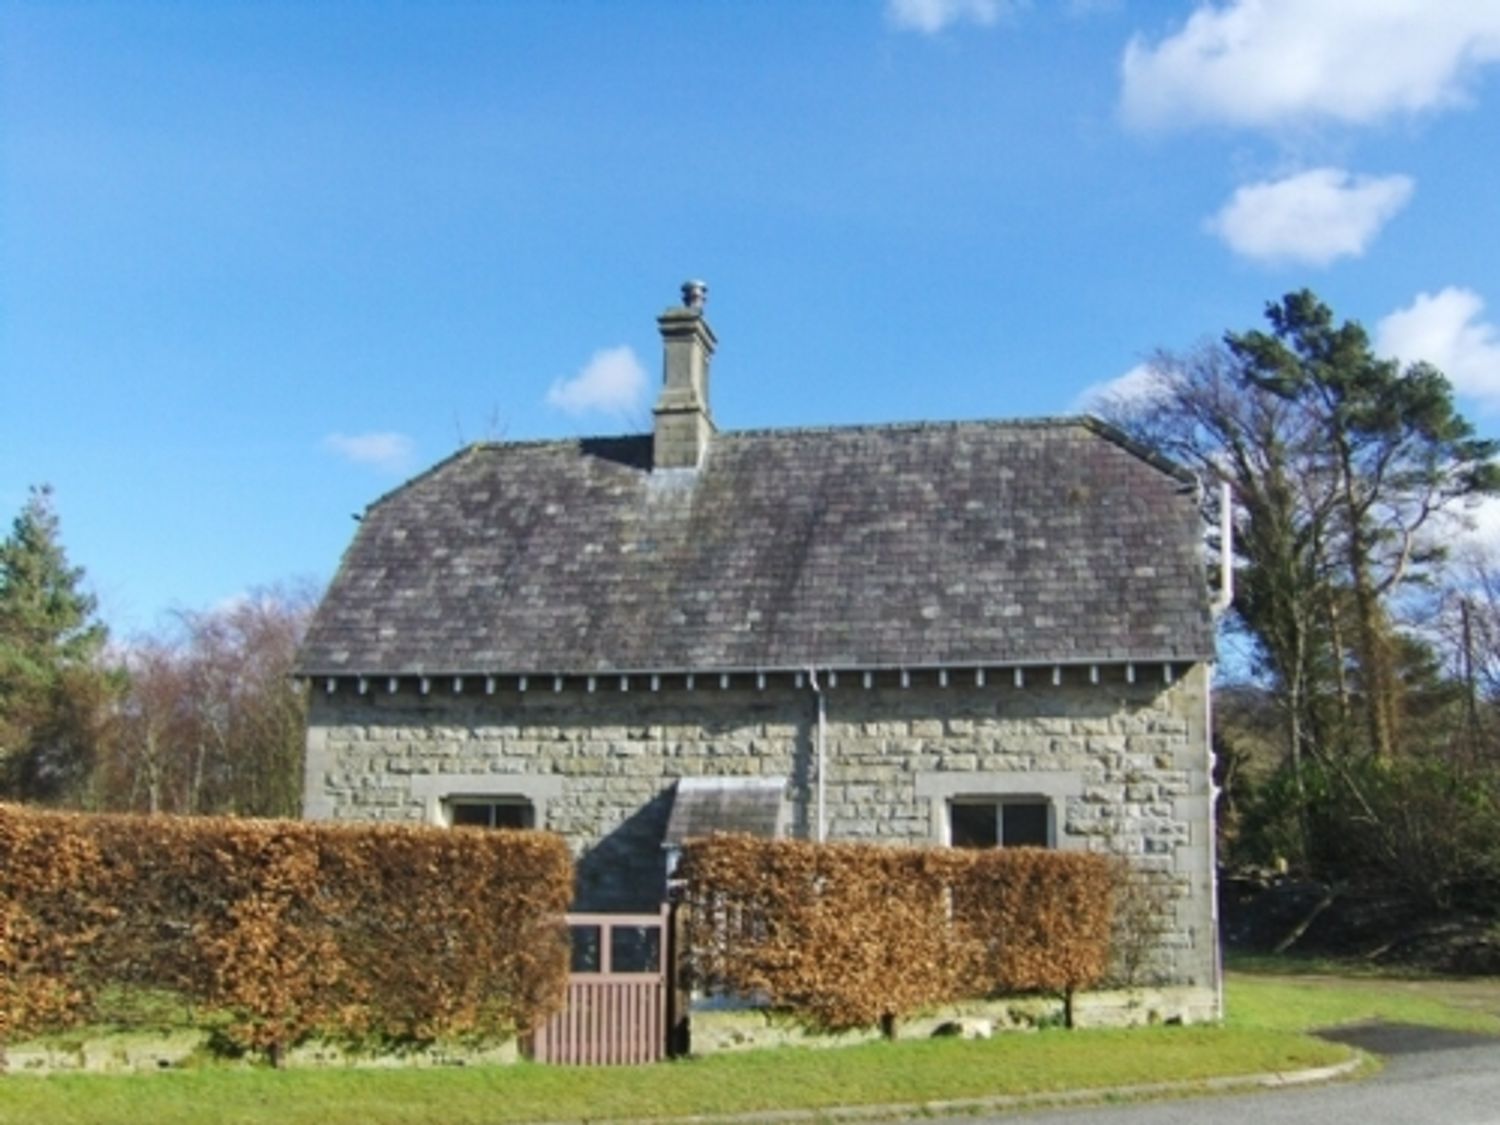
<point>1264,1033</point>
<point>755,1081</point>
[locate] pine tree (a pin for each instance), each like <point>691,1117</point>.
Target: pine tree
<point>53,688</point>
<point>1398,453</point>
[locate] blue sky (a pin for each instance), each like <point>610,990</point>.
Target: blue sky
<point>260,262</point>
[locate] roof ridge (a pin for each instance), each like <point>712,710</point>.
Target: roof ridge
<point>431,470</point>
<point>577,439</point>
<point>1057,421</point>
<point>474,448</point>
<point>1089,422</point>
<point>1157,460</point>
<point>1046,421</point>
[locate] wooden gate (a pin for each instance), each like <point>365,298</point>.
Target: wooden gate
<point>616,1009</point>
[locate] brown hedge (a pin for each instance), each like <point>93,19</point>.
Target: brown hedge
<point>850,935</point>
<point>292,928</point>
<point>1036,920</point>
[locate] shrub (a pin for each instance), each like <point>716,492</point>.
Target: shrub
<point>850,935</point>
<point>1039,921</point>
<point>290,928</point>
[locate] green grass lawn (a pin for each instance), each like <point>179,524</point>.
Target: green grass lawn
<point>1302,1003</point>
<point>762,1080</point>
<point>1297,994</point>
<point>1263,1033</point>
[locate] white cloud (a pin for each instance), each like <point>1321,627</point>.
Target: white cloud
<point>932,16</point>
<point>1484,518</point>
<point>612,382</point>
<point>1271,63</point>
<point>1313,217</point>
<point>1469,528</point>
<point>1445,330</point>
<point>389,452</point>
<point>1140,386</point>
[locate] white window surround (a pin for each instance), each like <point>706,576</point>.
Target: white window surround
<point>941,787</point>
<point>436,790</point>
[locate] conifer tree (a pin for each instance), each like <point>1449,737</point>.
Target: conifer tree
<point>53,689</point>
<point>1397,452</point>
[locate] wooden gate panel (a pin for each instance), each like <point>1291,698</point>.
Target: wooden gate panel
<point>611,1017</point>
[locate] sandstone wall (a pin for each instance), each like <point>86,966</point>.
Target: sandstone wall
<point>1124,766</point>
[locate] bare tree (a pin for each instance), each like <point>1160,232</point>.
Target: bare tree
<point>212,721</point>
<point>148,725</point>
<point>1204,415</point>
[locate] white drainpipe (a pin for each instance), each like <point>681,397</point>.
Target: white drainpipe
<point>1221,606</point>
<point>1226,550</point>
<point>822,826</point>
<point>1213,845</point>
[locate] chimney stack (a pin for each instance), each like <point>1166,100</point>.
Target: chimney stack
<point>683,422</point>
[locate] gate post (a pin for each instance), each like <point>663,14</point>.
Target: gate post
<point>679,997</point>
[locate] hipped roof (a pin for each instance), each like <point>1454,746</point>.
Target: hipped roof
<point>959,544</point>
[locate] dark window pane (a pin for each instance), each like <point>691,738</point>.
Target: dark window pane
<point>635,949</point>
<point>585,949</point>
<point>471,816</point>
<point>491,814</point>
<point>513,816</point>
<point>1024,824</point>
<point>973,825</point>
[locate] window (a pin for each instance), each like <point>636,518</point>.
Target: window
<point>490,812</point>
<point>631,948</point>
<point>448,797</point>
<point>1007,822</point>
<point>988,808</point>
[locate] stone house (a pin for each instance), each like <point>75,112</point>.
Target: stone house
<point>968,634</point>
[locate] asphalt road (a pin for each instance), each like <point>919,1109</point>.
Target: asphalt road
<point>1430,1076</point>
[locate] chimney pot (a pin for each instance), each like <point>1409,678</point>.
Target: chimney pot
<point>694,294</point>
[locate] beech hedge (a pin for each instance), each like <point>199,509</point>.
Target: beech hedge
<point>853,935</point>
<point>290,928</point>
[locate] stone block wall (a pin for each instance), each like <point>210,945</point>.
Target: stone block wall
<point>1123,765</point>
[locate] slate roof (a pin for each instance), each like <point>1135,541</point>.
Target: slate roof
<point>955,544</point>
<point>702,806</point>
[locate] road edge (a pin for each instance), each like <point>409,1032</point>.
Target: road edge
<point>968,1107</point>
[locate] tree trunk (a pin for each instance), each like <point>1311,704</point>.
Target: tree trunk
<point>153,774</point>
<point>1374,655</point>
<point>1375,665</point>
<point>1471,686</point>
<point>1296,694</point>
<point>1340,671</point>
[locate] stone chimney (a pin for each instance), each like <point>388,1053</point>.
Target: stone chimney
<point>683,423</point>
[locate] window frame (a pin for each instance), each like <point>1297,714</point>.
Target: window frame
<point>999,802</point>
<point>492,802</point>
<point>437,790</point>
